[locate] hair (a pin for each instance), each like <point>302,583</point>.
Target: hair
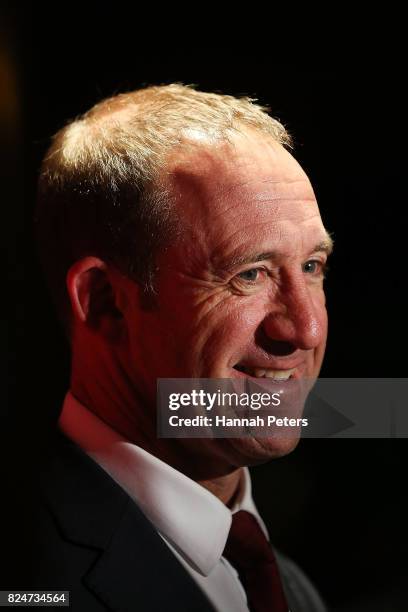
<point>99,189</point>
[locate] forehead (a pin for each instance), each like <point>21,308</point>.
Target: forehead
<point>248,191</point>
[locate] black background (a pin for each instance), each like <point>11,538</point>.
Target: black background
<point>338,507</point>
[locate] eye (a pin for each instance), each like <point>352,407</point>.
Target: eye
<point>251,275</point>
<point>314,266</point>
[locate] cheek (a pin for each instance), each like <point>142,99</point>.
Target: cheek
<point>230,328</point>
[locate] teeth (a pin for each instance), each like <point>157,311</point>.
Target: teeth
<point>265,373</point>
<point>279,374</point>
<point>259,373</point>
<point>275,374</point>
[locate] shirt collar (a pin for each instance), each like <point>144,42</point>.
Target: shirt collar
<point>193,520</point>
<point>246,502</point>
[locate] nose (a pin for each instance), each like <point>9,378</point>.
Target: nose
<point>297,317</point>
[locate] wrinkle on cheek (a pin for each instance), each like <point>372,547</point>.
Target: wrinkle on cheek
<point>219,334</point>
<point>197,308</point>
<point>217,306</point>
<point>225,303</point>
<point>222,321</point>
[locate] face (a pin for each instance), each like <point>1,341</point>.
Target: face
<point>240,294</point>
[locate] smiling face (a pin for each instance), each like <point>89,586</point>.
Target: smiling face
<point>241,291</point>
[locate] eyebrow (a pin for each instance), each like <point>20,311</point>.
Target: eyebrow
<point>324,246</point>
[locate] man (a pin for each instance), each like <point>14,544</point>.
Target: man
<point>181,240</point>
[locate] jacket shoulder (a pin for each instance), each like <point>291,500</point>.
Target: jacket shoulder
<point>301,593</point>
<point>87,536</point>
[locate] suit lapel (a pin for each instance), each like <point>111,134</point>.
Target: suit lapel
<point>135,568</point>
<point>138,567</point>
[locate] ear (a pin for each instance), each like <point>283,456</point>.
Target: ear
<point>92,295</point>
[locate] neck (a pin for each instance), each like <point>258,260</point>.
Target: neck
<point>111,396</point>
<point>226,488</point>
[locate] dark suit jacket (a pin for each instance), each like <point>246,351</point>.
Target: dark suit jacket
<point>91,539</point>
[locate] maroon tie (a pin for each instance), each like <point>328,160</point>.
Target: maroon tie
<point>248,550</point>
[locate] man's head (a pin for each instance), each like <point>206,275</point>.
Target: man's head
<point>101,188</point>
<point>211,266</point>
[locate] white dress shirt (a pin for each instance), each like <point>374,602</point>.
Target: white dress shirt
<point>192,521</point>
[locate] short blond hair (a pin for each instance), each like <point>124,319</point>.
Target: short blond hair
<point>99,190</point>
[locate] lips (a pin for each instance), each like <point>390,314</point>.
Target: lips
<point>276,373</point>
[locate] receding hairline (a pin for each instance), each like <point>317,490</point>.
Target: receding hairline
<point>101,179</point>
<point>158,117</point>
